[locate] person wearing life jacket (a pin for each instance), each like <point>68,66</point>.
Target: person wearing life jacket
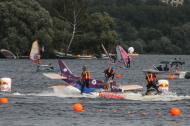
<point>151,81</point>
<point>85,78</point>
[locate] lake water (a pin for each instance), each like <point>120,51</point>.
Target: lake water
<point>32,103</point>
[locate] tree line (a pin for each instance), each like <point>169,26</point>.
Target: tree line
<point>80,26</point>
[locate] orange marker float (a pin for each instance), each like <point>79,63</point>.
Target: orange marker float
<point>77,107</point>
<point>171,77</point>
<point>175,111</point>
<point>4,100</point>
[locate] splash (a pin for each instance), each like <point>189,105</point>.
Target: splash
<point>66,92</point>
<point>71,92</point>
<point>170,96</point>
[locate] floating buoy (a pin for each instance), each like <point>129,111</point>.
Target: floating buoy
<point>175,111</point>
<point>77,107</point>
<point>131,50</point>
<point>171,77</point>
<point>5,84</point>
<point>4,100</point>
<point>118,76</point>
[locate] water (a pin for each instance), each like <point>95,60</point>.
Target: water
<point>32,103</point>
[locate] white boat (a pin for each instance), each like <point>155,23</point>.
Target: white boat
<point>169,70</point>
<point>85,57</point>
<point>65,56</point>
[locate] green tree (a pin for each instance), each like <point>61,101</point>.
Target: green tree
<point>68,18</point>
<point>22,22</point>
<point>167,47</point>
<point>102,24</point>
<point>139,45</point>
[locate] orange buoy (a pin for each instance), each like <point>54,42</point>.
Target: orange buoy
<point>171,77</point>
<point>4,100</point>
<point>118,76</point>
<point>175,111</point>
<point>77,107</point>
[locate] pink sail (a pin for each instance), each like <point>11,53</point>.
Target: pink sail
<point>122,54</point>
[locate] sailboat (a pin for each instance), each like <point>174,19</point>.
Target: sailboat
<point>35,58</point>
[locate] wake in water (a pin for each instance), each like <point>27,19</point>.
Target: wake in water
<point>60,91</point>
<point>128,96</point>
<point>163,97</point>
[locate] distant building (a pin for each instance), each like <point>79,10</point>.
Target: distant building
<point>174,3</point>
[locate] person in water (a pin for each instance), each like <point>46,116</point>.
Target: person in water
<point>128,62</point>
<point>85,78</point>
<point>151,82</point>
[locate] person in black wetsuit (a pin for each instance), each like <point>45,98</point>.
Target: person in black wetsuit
<point>128,62</point>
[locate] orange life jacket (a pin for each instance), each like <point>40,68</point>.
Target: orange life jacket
<point>150,78</point>
<point>85,75</point>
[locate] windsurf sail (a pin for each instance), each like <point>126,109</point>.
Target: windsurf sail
<point>35,53</point>
<point>8,54</point>
<point>122,55</point>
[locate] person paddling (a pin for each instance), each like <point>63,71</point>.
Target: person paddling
<point>85,78</point>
